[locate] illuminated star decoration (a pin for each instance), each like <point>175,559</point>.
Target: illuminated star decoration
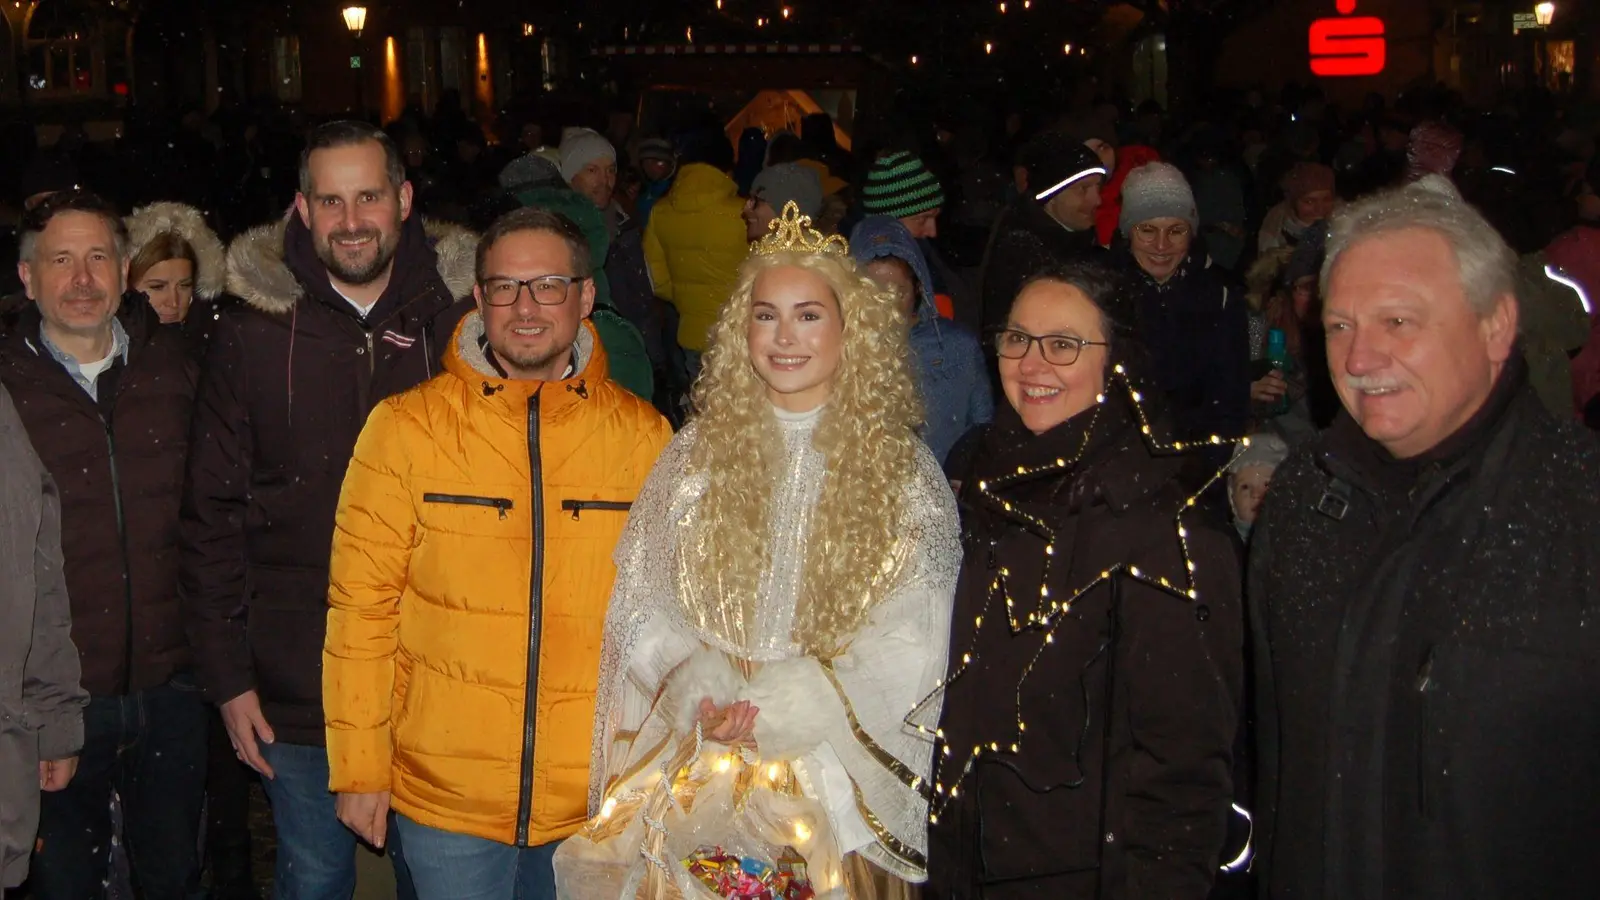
<point>1051,611</point>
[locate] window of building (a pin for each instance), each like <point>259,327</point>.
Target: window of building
<point>60,48</point>
<point>286,84</point>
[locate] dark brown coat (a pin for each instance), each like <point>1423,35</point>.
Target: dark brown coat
<point>291,375</point>
<point>1075,813</point>
<point>119,465</point>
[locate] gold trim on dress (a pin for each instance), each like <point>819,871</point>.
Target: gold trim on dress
<point>897,848</point>
<point>875,750</point>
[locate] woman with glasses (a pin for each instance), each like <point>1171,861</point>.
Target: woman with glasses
<point>782,602</point>
<point>1193,319</point>
<point>1096,651</point>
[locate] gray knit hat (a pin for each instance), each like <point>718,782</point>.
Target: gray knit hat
<point>529,171</point>
<point>1157,190</point>
<point>1266,449</point>
<point>581,146</point>
<point>899,185</point>
<point>784,182</point>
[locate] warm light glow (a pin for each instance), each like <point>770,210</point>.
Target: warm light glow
<point>913,60</point>
<point>393,83</point>
<point>724,763</point>
<point>802,833</point>
<point>528,29</point>
<point>773,771</point>
<point>608,808</point>
<point>1544,14</point>
<point>719,4</point>
<point>1002,9</point>
<point>1067,49</point>
<point>988,47</point>
<point>688,34</point>
<point>786,12</point>
<point>483,87</point>
<point>355,19</point>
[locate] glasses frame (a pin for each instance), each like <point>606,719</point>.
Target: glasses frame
<point>1000,334</point>
<point>1151,240</point>
<point>566,291</point>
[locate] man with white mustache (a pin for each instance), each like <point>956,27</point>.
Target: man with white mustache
<point>1424,587</point>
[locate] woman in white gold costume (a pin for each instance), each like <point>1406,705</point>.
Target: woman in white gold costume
<point>782,603</point>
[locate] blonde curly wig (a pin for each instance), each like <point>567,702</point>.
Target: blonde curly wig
<point>866,435</point>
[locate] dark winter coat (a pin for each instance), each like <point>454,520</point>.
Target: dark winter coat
<point>1196,329</point>
<point>1427,663</point>
<point>1145,807</point>
<point>1026,240</point>
<point>292,373</point>
<point>41,704</point>
<point>118,462</point>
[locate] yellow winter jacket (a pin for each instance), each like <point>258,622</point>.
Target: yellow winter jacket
<point>470,575</point>
<point>694,245</point>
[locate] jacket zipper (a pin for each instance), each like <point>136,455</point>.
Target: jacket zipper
<point>577,506</point>
<point>372,358</point>
<point>499,503</point>
<point>1424,735</point>
<point>530,695</point>
<point>122,541</point>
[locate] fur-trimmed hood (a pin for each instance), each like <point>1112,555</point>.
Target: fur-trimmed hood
<point>259,275</point>
<point>146,222</point>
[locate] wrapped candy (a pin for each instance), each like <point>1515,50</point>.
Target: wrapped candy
<point>733,877</point>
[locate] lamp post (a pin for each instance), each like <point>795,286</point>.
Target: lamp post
<point>1544,14</point>
<point>355,19</point>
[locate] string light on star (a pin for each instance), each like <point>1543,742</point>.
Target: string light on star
<point>1047,613</point>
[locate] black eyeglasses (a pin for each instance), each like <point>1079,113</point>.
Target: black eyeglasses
<point>546,290</point>
<point>1058,349</point>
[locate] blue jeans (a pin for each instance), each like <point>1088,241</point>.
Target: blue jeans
<point>149,747</point>
<point>316,852</point>
<point>449,866</point>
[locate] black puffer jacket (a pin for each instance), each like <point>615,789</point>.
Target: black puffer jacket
<point>291,375</point>
<point>1075,811</point>
<point>1427,659</point>
<point>1025,241</point>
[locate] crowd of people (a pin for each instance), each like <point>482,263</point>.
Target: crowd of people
<point>1114,506</point>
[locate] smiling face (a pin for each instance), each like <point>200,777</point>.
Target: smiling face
<point>1074,206</point>
<point>1043,394</point>
<point>1412,360</point>
<point>170,286</point>
<point>758,215</point>
<point>533,341</point>
<point>354,212</point>
<point>1161,245</point>
<point>74,275</point>
<point>1314,206</point>
<point>597,181</point>
<point>796,336</point>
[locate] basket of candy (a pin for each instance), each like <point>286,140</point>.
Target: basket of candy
<point>727,875</point>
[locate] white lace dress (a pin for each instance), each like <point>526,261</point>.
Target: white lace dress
<point>839,724</point>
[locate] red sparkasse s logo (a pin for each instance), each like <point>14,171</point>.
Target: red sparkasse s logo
<point>1348,46</point>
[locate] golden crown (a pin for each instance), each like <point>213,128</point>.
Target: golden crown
<point>793,232</point>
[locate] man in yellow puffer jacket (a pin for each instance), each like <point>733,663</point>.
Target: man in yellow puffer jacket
<point>470,576</point>
<point>693,246</point>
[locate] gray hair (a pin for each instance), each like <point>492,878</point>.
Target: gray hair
<point>1486,266</point>
<point>36,220</point>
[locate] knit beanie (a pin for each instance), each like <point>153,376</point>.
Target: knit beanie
<point>1156,190</point>
<point>658,149</point>
<point>1055,161</point>
<point>1266,449</point>
<point>1306,178</point>
<point>580,147</point>
<point>528,171</point>
<point>899,185</point>
<point>785,182</point>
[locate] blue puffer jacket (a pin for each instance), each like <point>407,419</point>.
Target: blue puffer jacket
<point>948,358</point>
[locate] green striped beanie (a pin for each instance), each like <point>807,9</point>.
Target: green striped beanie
<point>899,185</point>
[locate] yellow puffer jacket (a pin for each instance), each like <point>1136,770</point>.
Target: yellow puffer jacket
<point>694,245</point>
<point>450,530</point>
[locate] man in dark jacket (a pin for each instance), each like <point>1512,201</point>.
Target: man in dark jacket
<point>1051,224</point>
<point>346,302</point>
<point>1424,590</point>
<point>106,395</point>
<point>38,663</point>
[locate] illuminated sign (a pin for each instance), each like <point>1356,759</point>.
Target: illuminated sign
<point>1347,46</point>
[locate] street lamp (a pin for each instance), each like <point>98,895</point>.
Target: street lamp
<point>355,19</point>
<point>1544,13</point>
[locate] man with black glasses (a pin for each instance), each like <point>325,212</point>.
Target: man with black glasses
<point>471,571</point>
